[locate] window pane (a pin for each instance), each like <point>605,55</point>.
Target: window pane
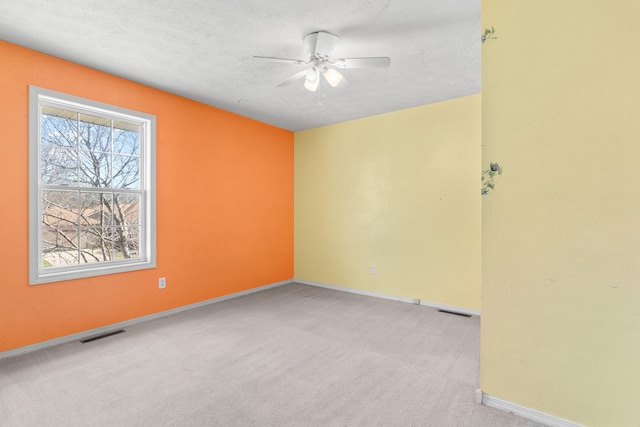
<point>59,247</point>
<point>95,133</point>
<point>126,209</point>
<point>126,138</point>
<point>58,127</point>
<point>95,169</point>
<point>126,172</point>
<point>58,166</point>
<point>96,209</point>
<point>96,245</point>
<point>60,209</point>
<point>127,243</point>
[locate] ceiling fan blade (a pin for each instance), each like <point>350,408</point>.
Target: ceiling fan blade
<point>293,78</point>
<point>376,62</point>
<point>282,60</point>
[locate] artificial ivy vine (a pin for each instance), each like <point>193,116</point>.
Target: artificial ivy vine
<point>488,176</point>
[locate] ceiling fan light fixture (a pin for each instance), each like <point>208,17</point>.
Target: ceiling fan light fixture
<point>313,79</point>
<point>311,86</point>
<point>333,77</point>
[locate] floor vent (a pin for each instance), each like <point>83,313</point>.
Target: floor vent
<point>454,312</point>
<point>97,337</point>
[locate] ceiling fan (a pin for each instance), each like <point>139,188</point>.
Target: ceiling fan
<point>318,48</point>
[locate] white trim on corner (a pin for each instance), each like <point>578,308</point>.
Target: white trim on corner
<point>97,331</point>
<point>455,309</point>
<point>523,411</point>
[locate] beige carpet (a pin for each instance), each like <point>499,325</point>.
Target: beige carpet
<point>295,355</point>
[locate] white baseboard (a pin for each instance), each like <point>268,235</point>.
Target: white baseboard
<point>97,331</point>
<point>523,411</point>
<point>439,306</point>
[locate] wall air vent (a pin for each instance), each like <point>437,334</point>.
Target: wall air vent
<point>454,312</point>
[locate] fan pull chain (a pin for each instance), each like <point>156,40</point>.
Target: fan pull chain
<point>320,102</point>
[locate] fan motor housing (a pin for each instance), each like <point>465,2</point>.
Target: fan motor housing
<point>319,45</point>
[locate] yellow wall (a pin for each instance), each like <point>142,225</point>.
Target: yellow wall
<point>399,191</point>
<point>561,232</point>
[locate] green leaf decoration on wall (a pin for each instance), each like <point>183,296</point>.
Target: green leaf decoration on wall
<point>488,177</point>
<point>488,35</point>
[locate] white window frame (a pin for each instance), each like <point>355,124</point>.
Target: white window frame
<point>147,253</point>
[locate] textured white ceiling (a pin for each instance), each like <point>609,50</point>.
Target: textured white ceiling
<point>202,49</point>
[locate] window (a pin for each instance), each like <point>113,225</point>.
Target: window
<point>92,188</point>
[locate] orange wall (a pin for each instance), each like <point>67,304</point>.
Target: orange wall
<point>224,206</point>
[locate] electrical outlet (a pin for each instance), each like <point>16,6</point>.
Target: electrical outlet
<point>372,270</point>
<point>162,283</point>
